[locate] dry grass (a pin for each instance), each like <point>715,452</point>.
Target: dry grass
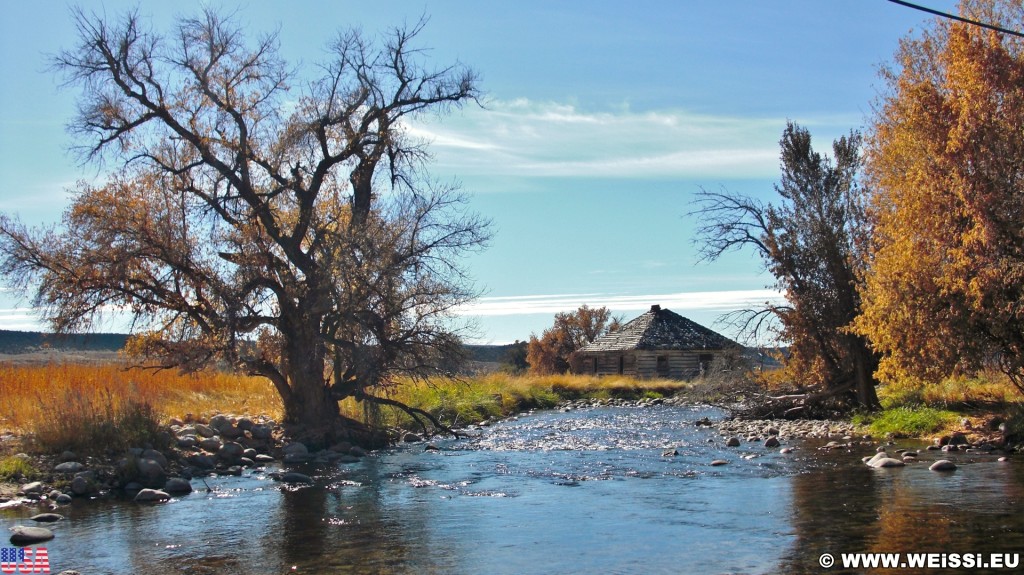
<point>57,402</point>
<point>985,390</point>
<point>30,394</point>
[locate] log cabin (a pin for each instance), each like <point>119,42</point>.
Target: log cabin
<point>659,343</point>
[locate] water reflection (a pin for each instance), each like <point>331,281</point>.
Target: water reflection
<point>842,506</point>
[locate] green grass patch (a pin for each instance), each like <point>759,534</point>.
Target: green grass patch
<point>461,402</point>
<point>17,468</point>
<point>906,421</point>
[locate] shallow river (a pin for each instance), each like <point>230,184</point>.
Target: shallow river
<point>587,491</point>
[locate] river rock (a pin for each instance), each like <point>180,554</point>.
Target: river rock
<point>718,462</point>
<point>295,448</point>
<point>188,441</point>
<point>733,442</point>
<point>151,496</point>
<point>63,499</point>
<point>263,458</point>
<point>786,450</point>
<point>156,456</point>
<point>771,442</point>
<point>36,487</point>
<point>886,462</point>
<point>357,451</point>
<point>943,465</point>
<point>245,424</point>
<point>201,460</point>
<point>151,473</point>
<point>22,535</point>
<point>234,470</point>
<point>959,439</point>
<point>205,430</point>
<point>47,517</point>
<point>670,453</point>
<point>69,467</point>
<point>293,477</point>
<point>261,432</point>
<point>178,485</point>
<point>230,451</point>
<point>81,485</point>
<point>220,422</point>
<point>410,437</point>
<point>211,444</point>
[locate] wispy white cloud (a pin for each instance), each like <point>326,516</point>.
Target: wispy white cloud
<point>549,304</point>
<point>550,139</point>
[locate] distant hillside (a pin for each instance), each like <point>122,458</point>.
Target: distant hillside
<point>488,353</point>
<point>15,342</point>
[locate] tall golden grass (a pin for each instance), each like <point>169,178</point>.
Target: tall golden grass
<point>30,394</point>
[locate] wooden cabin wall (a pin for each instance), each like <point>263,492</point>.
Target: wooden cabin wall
<point>673,364</point>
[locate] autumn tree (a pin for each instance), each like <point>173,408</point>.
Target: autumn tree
<point>811,242</point>
<point>551,352</point>
<point>945,159</point>
<point>278,223</point>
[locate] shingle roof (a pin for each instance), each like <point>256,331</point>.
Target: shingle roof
<point>660,329</point>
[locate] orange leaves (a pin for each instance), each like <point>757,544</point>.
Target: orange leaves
<point>946,164</point>
<point>550,353</point>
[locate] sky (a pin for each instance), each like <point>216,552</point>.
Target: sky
<point>600,123</point>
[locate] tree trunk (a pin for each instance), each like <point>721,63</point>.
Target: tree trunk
<point>311,414</point>
<point>864,364</point>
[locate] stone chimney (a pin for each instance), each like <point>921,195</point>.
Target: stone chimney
<point>655,307</point>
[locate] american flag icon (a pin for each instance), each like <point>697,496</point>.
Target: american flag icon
<point>12,554</point>
<point>24,560</point>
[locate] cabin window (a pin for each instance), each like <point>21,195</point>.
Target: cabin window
<point>662,366</point>
<point>704,360</point>
<point>589,365</point>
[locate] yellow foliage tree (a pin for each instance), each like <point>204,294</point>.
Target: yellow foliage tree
<point>945,160</point>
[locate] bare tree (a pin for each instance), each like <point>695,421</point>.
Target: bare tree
<point>282,225</point>
<point>813,243</point>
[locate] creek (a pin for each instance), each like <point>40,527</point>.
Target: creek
<point>585,491</point>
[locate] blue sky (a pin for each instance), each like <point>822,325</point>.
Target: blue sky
<point>601,122</point>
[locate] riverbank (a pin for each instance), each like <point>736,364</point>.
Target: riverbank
<point>113,428</point>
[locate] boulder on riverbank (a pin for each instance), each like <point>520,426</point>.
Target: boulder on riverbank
<point>151,496</point>
<point>942,465</point>
<point>22,535</point>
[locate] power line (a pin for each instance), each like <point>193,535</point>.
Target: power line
<point>955,17</point>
